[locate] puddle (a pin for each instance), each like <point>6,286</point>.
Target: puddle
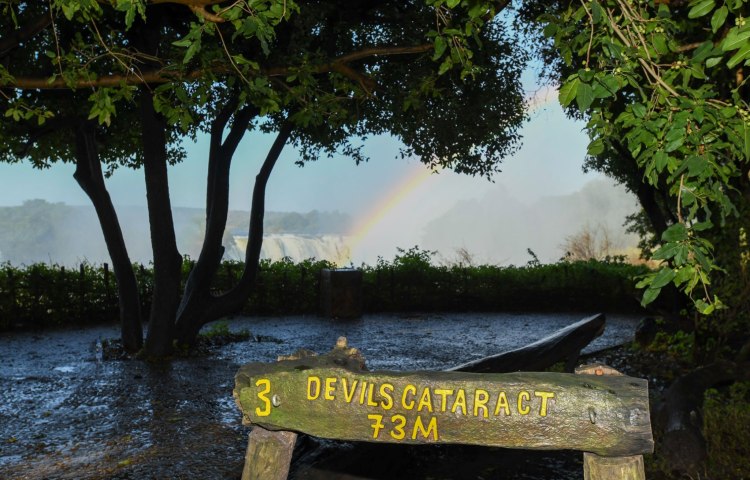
<point>66,369</point>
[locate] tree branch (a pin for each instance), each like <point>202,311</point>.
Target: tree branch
<point>195,304</point>
<point>165,75</point>
<point>234,299</point>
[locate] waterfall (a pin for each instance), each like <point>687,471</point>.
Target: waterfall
<point>296,247</point>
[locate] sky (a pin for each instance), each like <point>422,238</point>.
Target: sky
<point>392,199</point>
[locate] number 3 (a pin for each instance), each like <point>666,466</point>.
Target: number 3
<point>266,411</point>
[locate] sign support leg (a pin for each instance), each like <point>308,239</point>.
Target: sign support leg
<point>268,455</point>
<point>596,467</point>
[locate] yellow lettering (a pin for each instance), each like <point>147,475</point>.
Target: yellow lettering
<point>460,401</point>
<point>480,401</point>
<point>377,425</point>
<point>523,409</point>
<point>544,396</point>
<point>502,402</point>
<point>262,395</point>
<point>370,401</point>
<point>330,388</point>
<point>407,389</point>
<point>348,394</point>
<point>399,422</point>
<point>385,393</point>
<point>313,382</point>
<point>362,393</point>
<point>419,426</point>
<point>425,401</point>
<point>443,394</point>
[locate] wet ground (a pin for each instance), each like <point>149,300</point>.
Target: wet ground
<point>66,413</point>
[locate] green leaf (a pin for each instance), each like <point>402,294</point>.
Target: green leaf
<point>445,66</point>
<point>660,44</point>
<point>584,96</point>
<point>739,56</point>
<point>704,307</point>
<point>586,75</point>
<point>639,110</point>
<point>660,160</point>
<point>701,226</point>
<point>712,62</point>
<point>696,165</point>
<point>667,251</point>
<point>452,3</point>
<point>440,46</point>
<point>663,277</point>
<point>649,296</point>
<point>596,147</point>
<point>701,8</point>
<point>735,39</point>
<point>718,18</point>
<point>606,86</point>
<point>569,91</point>
<point>674,144</point>
<point>683,275</point>
<point>675,233</point>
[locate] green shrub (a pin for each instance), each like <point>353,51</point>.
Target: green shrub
<point>41,295</point>
<point>726,422</point>
<point>678,345</point>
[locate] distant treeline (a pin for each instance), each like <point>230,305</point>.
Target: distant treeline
<point>40,231</point>
<point>40,295</point>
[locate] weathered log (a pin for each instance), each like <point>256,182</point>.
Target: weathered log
<point>331,397</point>
<point>564,344</point>
<point>679,419</point>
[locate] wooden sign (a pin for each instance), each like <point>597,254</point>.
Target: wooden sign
<point>330,397</point>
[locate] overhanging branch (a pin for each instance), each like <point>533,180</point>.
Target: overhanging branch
<point>160,76</point>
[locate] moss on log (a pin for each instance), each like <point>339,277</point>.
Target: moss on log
<point>332,397</point>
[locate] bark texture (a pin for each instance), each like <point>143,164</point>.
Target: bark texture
<point>89,176</point>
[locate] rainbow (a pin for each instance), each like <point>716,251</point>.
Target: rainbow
<point>383,207</point>
<point>419,175</point>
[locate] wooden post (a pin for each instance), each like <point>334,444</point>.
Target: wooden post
<point>597,467</point>
<point>341,293</point>
<point>13,295</point>
<point>268,455</point>
<point>81,293</point>
<point>107,292</point>
<point>230,276</point>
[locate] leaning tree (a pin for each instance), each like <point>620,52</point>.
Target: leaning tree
<point>109,84</point>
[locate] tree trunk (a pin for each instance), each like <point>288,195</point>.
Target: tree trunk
<point>89,176</point>
<point>197,301</point>
<point>682,444</point>
<point>208,308</point>
<point>646,197</point>
<point>167,259</point>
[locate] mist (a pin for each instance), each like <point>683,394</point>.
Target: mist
<point>499,229</point>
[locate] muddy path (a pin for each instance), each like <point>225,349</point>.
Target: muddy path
<point>66,413</point>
